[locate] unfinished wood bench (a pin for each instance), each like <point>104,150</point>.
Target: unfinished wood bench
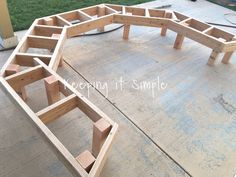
<point>24,67</point>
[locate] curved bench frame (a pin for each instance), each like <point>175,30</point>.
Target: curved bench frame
<point>52,31</point>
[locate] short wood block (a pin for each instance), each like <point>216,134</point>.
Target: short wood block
<point>101,129</point>
<point>213,57</point>
<point>13,69</point>
<point>163,31</point>
<point>126,32</point>
<point>48,21</point>
<point>179,41</point>
<point>56,36</point>
<point>52,89</point>
<point>227,57</point>
<point>86,160</point>
<point>101,12</point>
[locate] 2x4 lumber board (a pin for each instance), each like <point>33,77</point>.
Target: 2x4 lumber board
<point>229,46</point>
<point>93,112</point>
<point>126,32</point>
<point>101,159</point>
<point>42,30</point>
<point>89,25</point>
<point>48,21</point>
<point>213,57</point>
<point>83,16</point>
<point>92,11</point>
<point>58,109</point>
<point>86,160</point>
<point>101,12</point>
<point>109,10</point>
<point>195,35</point>
<point>13,69</point>
<point>138,20</point>
<point>164,28</point>
<point>227,57</point>
<point>178,41</point>
<point>26,59</point>
<point>62,22</point>
<point>25,77</point>
<point>115,7</point>
<point>147,14</point>
<point>52,89</point>
<point>135,10</point>
<point>12,56</point>
<point>56,146</point>
<point>57,54</point>
<point>41,42</point>
<point>101,129</point>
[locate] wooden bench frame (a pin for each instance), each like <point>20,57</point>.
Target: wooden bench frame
<point>51,33</point>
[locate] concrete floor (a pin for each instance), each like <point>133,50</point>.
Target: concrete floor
<point>192,120</point>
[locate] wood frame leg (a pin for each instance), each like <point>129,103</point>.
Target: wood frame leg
<point>86,160</point>
<point>48,21</point>
<point>101,129</point>
<point>213,57</point>
<point>227,57</point>
<point>52,89</point>
<point>163,31</point>
<point>126,32</point>
<point>13,69</point>
<point>179,41</point>
<point>101,12</point>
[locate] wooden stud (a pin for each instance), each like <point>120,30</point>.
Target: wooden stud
<point>48,21</point>
<point>164,28</point>
<point>227,57</point>
<point>213,57</point>
<point>126,32</point>
<point>52,89</point>
<point>101,12</point>
<point>179,41</point>
<point>13,69</point>
<point>86,160</point>
<point>101,129</point>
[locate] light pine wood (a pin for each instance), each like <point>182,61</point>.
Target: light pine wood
<point>213,57</point>
<point>101,130</point>
<point>52,89</point>
<point>227,57</point>
<point>86,160</point>
<point>13,69</point>
<point>101,12</point>
<point>179,41</point>
<point>126,32</point>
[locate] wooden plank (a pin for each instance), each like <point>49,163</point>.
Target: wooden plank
<point>26,59</point>
<point>213,57</point>
<point>101,12</point>
<point>25,77</point>
<point>83,16</point>
<point>138,20</point>
<point>89,25</point>
<point>58,109</point>
<point>58,148</point>
<point>62,22</point>
<point>164,28</point>
<point>42,30</point>
<point>227,57</point>
<point>57,54</point>
<point>109,10</point>
<point>41,42</point>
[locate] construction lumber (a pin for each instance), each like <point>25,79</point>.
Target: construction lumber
<point>86,160</point>
<point>52,89</point>
<point>51,33</point>
<point>101,130</point>
<point>59,108</point>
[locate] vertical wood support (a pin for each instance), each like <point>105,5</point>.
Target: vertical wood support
<point>227,57</point>
<point>164,28</point>
<point>13,69</point>
<point>48,21</point>
<point>213,57</point>
<point>179,41</point>
<point>57,36</point>
<point>101,12</point>
<point>86,160</point>
<point>101,129</point>
<point>52,89</point>
<point>126,32</point>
